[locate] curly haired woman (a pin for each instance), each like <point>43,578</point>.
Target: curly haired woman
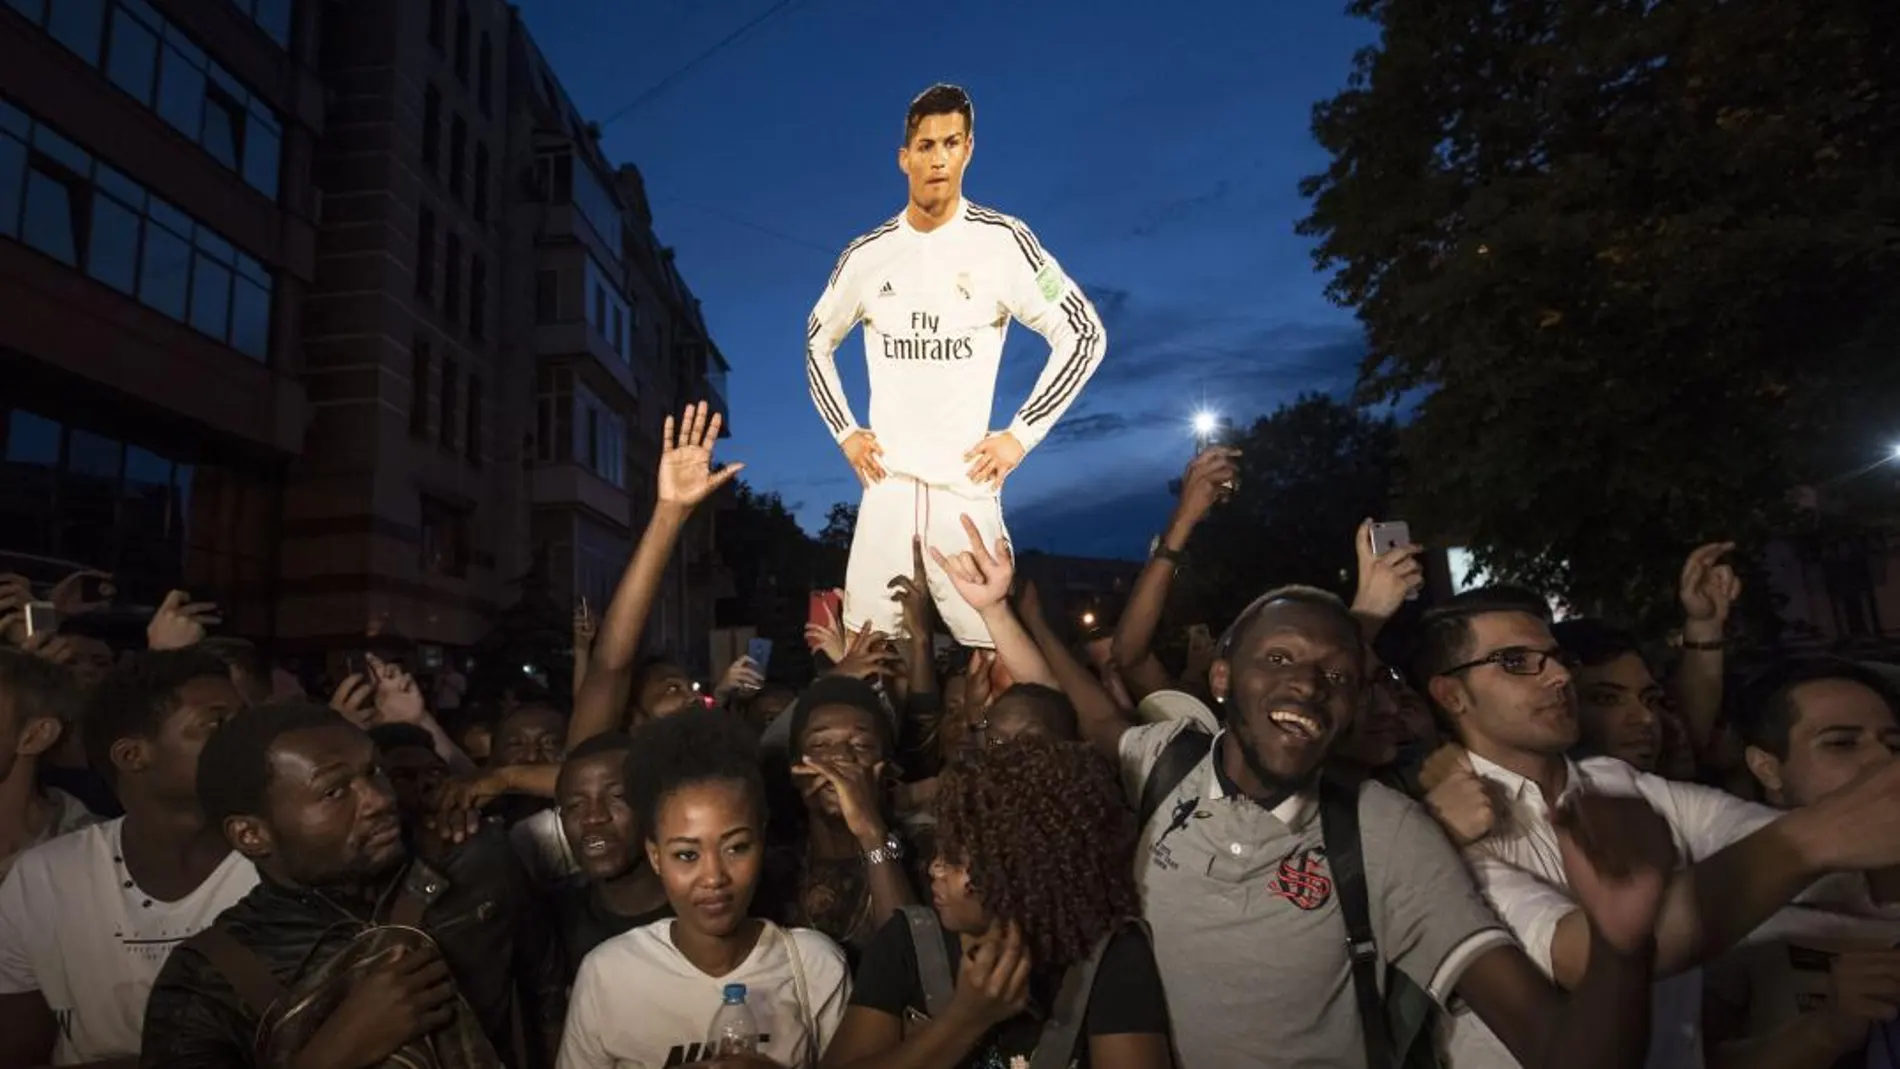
<point>1033,885</point>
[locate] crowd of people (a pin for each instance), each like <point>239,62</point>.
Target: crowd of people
<point>1476,838</point>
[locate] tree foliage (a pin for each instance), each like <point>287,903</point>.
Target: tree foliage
<point>1636,263</point>
<point>775,566</point>
<point>1309,473</point>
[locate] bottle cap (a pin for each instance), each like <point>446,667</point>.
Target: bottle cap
<point>735,992</point>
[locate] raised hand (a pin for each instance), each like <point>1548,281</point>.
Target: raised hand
<point>1385,579</point>
<point>398,698</point>
<point>180,622</point>
<point>827,637</point>
<point>586,626</point>
<point>993,458</point>
<point>870,654</point>
<point>69,596</point>
<point>1618,854</point>
<point>355,699</point>
<point>866,456</point>
<point>981,574</point>
<point>15,593</point>
<point>742,675</point>
<point>1708,588</point>
<point>1210,479</point>
<point>686,477</point>
<point>912,592</point>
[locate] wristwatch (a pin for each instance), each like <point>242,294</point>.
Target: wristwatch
<point>1158,550</point>
<point>892,850</point>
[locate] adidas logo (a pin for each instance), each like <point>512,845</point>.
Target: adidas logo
<point>887,291</point>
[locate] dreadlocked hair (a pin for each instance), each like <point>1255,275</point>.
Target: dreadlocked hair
<point>1048,841</point>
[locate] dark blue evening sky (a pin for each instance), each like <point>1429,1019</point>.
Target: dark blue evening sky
<point>1155,148</point>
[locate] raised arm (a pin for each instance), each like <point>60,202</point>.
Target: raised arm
<point>1100,720</point>
<point>685,479</point>
<point>1617,852</point>
<point>1708,590</point>
<point>1711,905</point>
<point>1204,486</point>
<point>1385,581</point>
<point>982,575</point>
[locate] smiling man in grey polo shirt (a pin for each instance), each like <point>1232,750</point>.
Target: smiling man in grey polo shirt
<point>1242,897</point>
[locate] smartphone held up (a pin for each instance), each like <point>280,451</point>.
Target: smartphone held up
<point>1387,536</point>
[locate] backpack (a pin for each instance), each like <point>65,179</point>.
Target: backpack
<point>287,1017</point>
<point>1055,1047</point>
<point>1396,1025</point>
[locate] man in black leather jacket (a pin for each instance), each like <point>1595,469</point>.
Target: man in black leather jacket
<point>298,790</point>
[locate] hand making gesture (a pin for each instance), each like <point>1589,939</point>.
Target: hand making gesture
<point>686,475</point>
<point>1707,590</point>
<point>981,574</point>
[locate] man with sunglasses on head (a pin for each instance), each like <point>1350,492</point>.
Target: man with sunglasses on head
<point>1492,666</point>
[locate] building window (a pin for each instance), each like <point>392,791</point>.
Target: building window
<point>271,16</point>
<point>425,254</point>
<point>484,78</point>
<point>547,297</point>
<point>438,23</point>
<point>472,433</point>
<point>419,361</point>
<point>461,42</point>
<point>481,182</point>
<point>431,129</point>
<point>56,198</point>
<point>554,415</point>
<point>600,436</point>
<point>447,411</point>
<point>477,297</point>
<point>148,58</point>
<point>445,531</point>
<point>452,277</point>
<point>79,25</point>
<point>600,309</point>
<point>458,153</point>
<point>55,206</point>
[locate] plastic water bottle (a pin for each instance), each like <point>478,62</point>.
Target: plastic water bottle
<point>733,1029</point>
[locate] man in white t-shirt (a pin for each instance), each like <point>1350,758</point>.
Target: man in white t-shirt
<point>87,919</point>
<point>37,700</point>
<point>1491,663</point>
<point>935,288</point>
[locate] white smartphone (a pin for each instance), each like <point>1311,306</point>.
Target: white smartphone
<point>1391,535</point>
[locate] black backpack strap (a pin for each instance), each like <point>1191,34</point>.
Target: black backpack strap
<point>1171,766</point>
<point>933,959</point>
<point>1055,1047</point>
<point>1339,826</point>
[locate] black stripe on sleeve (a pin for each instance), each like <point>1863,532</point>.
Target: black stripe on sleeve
<point>1072,374</point>
<point>827,405</point>
<point>1029,254</point>
<point>861,242</point>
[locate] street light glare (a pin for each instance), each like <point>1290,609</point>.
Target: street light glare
<point>1205,423</point>
<point>1896,450</point>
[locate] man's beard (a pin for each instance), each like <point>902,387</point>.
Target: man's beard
<point>1278,787</point>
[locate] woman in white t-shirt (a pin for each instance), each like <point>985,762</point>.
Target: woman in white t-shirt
<point>646,999</point>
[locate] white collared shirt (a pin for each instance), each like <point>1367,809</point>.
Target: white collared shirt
<point>1521,871</point>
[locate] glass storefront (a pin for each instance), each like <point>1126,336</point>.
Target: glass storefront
<point>158,510</point>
